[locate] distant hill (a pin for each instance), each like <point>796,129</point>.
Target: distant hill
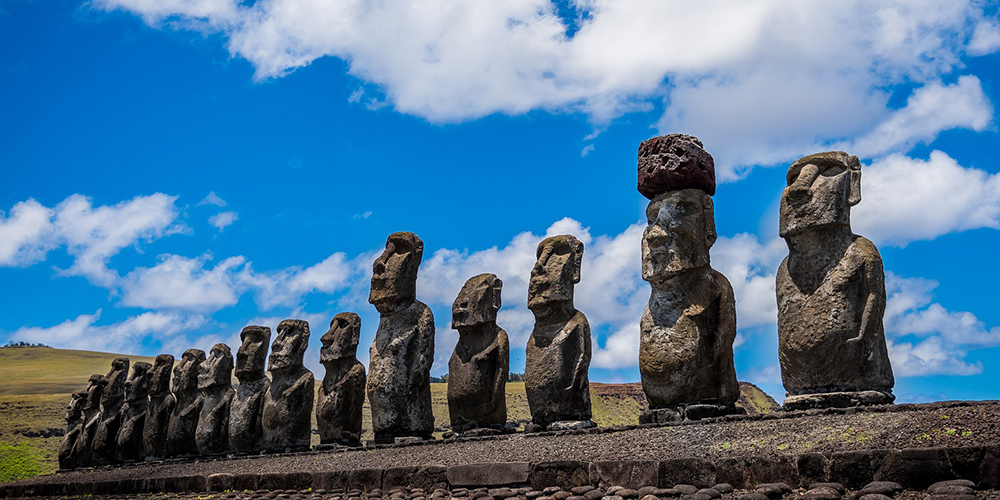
<point>44,370</point>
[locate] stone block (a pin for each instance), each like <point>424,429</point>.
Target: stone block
<point>695,471</point>
<point>918,468</point>
<point>854,469</point>
<point>489,474</point>
<point>152,485</point>
<point>246,482</point>
<point>773,469</point>
<point>220,482</point>
<point>989,469</point>
<point>813,468</point>
<point>285,481</point>
<point>732,471</point>
<point>426,477</point>
<point>965,461</point>
<point>633,474</point>
<point>184,484</point>
<point>330,480</point>
<point>365,479</point>
<point>564,474</point>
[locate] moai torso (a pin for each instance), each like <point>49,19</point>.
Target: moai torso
<point>130,447</point>
<point>82,454</point>
<point>74,429</point>
<point>106,435</point>
<point>288,403</point>
<point>246,434</point>
<point>184,419</point>
<point>215,384</point>
<point>342,394</point>
<point>161,406</point>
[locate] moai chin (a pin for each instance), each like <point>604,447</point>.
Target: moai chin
<point>557,358</point>
<point>82,454</point>
<point>215,381</point>
<point>831,291</point>
<point>161,406</point>
<point>401,355</point>
<point>74,429</point>
<point>129,440</point>
<point>184,418</point>
<point>246,433</point>
<point>687,330</point>
<point>342,393</point>
<point>112,399</point>
<point>288,403</point>
<point>479,366</point>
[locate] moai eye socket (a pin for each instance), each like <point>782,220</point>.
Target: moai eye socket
<point>832,171</point>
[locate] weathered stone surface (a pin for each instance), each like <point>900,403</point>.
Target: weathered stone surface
<point>246,433</point>
<point>288,404</point>
<point>557,357</point>
<point>771,469</point>
<point>489,474</point>
<point>342,393</point>
<point>215,381</point>
<point>105,437</point>
<point>479,366</point>
<point>184,418</point>
<point>401,355</point>
<point>161,406</point>
<point>694,471</point>
<point>855,469</point>
<point>425,477</point>
<point>627,473</point>
<point>673,162</point>
<point>74,429</point>
<point>813,468</point>
<point>919,467</point>
<point>830,288</point>
<point>129,440</point>
<point>564,474</point>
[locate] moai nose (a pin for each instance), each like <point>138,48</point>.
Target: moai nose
<point>800,190</point>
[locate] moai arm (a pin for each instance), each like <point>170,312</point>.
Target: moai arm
<point>874,288</point>
<point>303,383</point>
<point>425,357</point>
<point>502,350</point>
<point>727,311</point>
<point>581,332</point>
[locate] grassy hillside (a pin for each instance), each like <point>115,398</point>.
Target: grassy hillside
<point>44,370</point>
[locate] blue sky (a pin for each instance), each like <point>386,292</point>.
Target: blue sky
<point>175,170</point>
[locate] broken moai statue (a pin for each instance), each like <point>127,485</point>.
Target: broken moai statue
<point>557,358</point>
<point>134,414</point>
<point>831,291</point>
<point>288,403</point>
<point>161,406</point>
<point>184,419</point>
<point>82,454</point>
<point>246,434</point>
<point>479,366</point>
<point>342,393</point>
<point>215,381</point>
<point>74,429</point>
<point>687,330</point>
<point>401,355</point>
<point>106,437</point>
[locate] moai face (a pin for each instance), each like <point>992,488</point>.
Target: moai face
<point>75,407</point>
<point>186,372</point>
<point>341,340</point>
<point>478,302</point>
<point>137,385</point>
<point>290,346</point>
<point>821,190</point>
<point>252,354</point>
<point>556,271</point>
<point>159,378</point>
<point>217,369</point>
<point>394,273</point>
<point>114,390</point>
<point>679,232</point>
<point>94,391</point>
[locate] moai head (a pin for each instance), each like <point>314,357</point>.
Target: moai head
<point>290,345</point>
<point>252,354</point>
<point>114,390</point>
<point>74,410</point>
<point>679,232</point>
<point>95,389</point>
<point>394,273</point>
<point>477,303</point>
<point>137,385</point>
<point>186,372</point>
<point>217,369</point>
<point>821,190</point>
<point>159,378</point>
<point>341,340</point>
<point>556,270</point>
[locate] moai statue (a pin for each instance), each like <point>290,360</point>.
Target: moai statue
<point>129,440</point>
<point>401,355</point>
<point>82,454</point>
<point>831,291</point>
<point>246,434</point>
<point>161,406</point>
<point>342,394</point>
<point>74,429</point>
<point>184,419</point>
<point>288,403</point>
<point>478,369</point>
<point>215,381</point>
<point>557,357</point>
<point>687,331</point>
<point>106,437</point>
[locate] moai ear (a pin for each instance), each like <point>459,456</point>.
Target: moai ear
<point>497,287</point>
<point>855,196</point>
<point>709,214</point>
<point>577,262</point>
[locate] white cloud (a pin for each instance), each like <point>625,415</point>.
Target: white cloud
<point>123,337</point>
<point>212,199</point>
<point>223,219</point>
<point>178,282</point>
<point>26,235</point>
<point>750,267</point>
<point>985,39</point>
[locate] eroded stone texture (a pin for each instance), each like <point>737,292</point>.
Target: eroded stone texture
<point>288,403</point>
<point>112,399</point>
<point>831,291</point>
<point>161,406</point>
<point>342,394</point>
<point>129,440</point>
<point>215,381</point>
<point>184,419</point>
<point>557,357</point>
<point>399,390</point>
<point>74,429</point>
<point>82,453</point>
<point>246,434</point>
<point>479,366</point>
<point>672,162</point>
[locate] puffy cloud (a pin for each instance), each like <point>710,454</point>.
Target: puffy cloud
<point>286,287</point>
<point>212,199</point>
<point>750,266</point>
<point>985,39</point>
<point>26,235</point>
<point>178,282</point>
<point>223,219</point>
<point>125,336</point>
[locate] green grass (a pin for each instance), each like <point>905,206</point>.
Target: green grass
<point>19,461</point>
<point>44,370</point>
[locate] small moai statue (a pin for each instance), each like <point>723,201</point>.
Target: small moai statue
<point>342,393</point>
<point>831,291</point>
<point>215,381</point>
<point>557,358</point>
<point>246,433</point>
<point>74,429</point>
<point>480,364</point>
<point>687,331</point>
<point>112,399</point>
<point>129,440</point>
<point>401,355</point>
<point>184,419</point>
<point>288,403</point>
<point>82,454</point>
<point>161,406</point>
